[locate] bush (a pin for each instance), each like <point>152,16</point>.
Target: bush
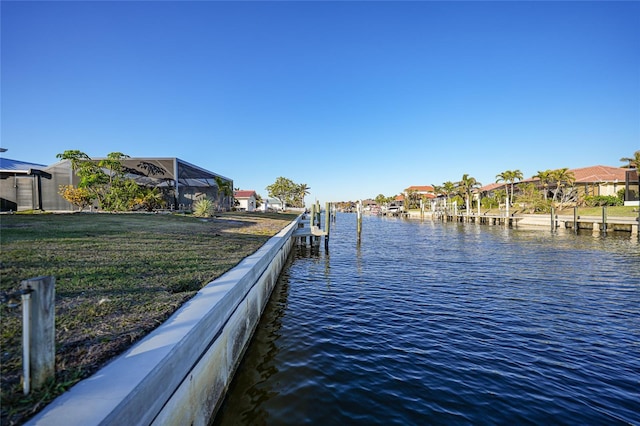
<point>80,197</point>
<point>602,200</point>
<point>203,208</point>
<point>489,203</point>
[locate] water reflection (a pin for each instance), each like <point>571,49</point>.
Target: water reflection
<point>251,381</point>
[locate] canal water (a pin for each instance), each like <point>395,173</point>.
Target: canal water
<point>447,324</point>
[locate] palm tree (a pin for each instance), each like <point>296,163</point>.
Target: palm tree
<point>411,198</point>
<point>634,163</point>
<point>303,190</point>
<point>224,188</point>
<point>561,177</point>
<point>466,186</point>
<point>509,176</point>
<point>448,188</point>
<point>545,178</point>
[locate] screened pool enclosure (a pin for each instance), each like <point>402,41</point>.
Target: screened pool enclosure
<point>180,183</point>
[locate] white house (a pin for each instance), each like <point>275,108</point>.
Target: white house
<point>271,204</point>
<point>247,200</point>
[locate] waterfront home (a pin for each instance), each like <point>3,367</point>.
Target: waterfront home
<point>599,180</point>
<point>589,181</point>
<point>27,186</point>
<point>424,190</point>
<point>21,185</point>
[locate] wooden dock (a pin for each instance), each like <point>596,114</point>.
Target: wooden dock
<point>486,219</point>
<point>553,221</point>
<point>309,228</point>
<point>305,229</point>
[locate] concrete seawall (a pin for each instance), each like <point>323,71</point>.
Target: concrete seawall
<point>179,374</point>
<point>544,222</point>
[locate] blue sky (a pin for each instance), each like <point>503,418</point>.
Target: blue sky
<point>352,98</point>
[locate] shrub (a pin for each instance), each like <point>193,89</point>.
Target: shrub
<point>489,203</point>
<point>150,198</point>
<point>203,208</point>
<point>79,197</point>
<point>602,200</point>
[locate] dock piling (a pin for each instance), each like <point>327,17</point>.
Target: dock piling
<point>327,225</point>
<point>359,220</point>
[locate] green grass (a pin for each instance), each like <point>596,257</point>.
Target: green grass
<point>118,276</point>
<point>612,211</point>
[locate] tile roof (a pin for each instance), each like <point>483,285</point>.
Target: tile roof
<point>425,188</point>
<point>244,194</point>
<point>492,186</point>
<point>592,174</point>
<point>599,174</point>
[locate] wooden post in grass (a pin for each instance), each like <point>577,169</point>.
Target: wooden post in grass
<point>39,331</point>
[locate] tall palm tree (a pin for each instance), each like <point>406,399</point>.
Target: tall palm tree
<point>634,162</point>
<point>509,176</point>
<point>545,178</point>
<point>466,186</point>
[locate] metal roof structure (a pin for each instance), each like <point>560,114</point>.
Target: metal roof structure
<point>181,183</point>
<point>15,166</point>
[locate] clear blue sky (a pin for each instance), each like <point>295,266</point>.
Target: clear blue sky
<point>352,98</point>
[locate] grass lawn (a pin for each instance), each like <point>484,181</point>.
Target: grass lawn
<point>118,276</point>
<point>612,211</point>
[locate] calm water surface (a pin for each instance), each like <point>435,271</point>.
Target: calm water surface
<point>432,323</point>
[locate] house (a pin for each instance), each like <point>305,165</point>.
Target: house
<point>593,180</point>
<point>416,195</point>
<point>271,204</point>
<point>599,180</point>
<point>369,204</point>
<point>246,200</point>
<point>397,204</point>
<point>490,189</point>
<point>181,183</point>
<point>425,190</point>
<point>21,185</point>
